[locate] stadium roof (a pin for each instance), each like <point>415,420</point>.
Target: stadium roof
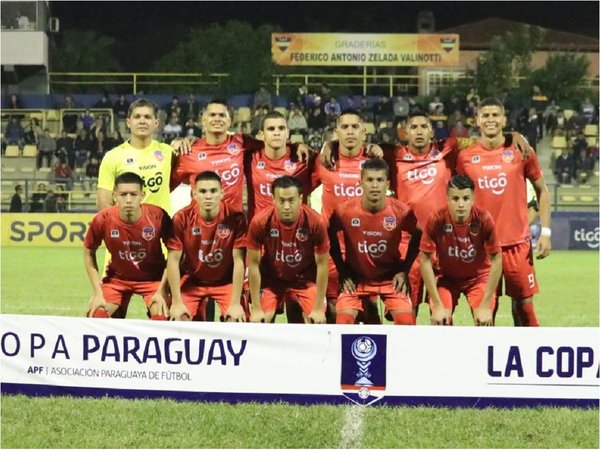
<point>479,35</point>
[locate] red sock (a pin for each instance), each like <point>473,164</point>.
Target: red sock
<point>157,317</point>
<point>100,313</point>
<point>527,315</point>
<point>404,319</point>
<point>344,318</point>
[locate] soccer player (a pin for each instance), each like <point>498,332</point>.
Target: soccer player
<point>500,174</point>
<point>140,154</point>
<point>469,258</point>
<point>292,270</point>
<point>275,160</point>
<point>372,227</point>
<point>209,240</point>
<point>132,233</point>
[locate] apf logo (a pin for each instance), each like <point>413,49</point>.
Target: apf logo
<point>223,231</point>
<point>389,223</point>
<point>591,238</point>
<point>148,233</point>
<point>233,149</point>
<point>364,358</point>
<point>495,184</point>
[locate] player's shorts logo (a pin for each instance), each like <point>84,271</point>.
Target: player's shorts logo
<point>475,159</point>
<point>302,234</point>
<point>355,222</point>
<point>289,166</point>
<point>260,165</point>
<point>389,223</point>
<point>507,156</point>
<point>114,233</point>
<point>223,231</point>
<point>159,155</point>
<point>196,231</point>
<point>363,378</point>
<point>148,233</point>
<point>202,156</point>
<point>233,149</point>
<point>475,227</point>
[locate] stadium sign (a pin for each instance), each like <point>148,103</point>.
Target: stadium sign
<point>378,365</point>
<point>339,49</point>
<point>44,230</point>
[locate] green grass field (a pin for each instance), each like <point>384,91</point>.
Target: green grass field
<point>53,282</point>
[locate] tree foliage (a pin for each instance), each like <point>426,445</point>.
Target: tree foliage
<point>84,51</point>
<point>562,76</point>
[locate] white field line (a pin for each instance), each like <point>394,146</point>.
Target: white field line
<point>351,434</point>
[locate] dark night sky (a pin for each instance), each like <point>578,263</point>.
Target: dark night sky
<point>152,27</point>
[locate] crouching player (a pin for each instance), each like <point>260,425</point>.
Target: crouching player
<point>293,267</point>
<point>372,226</point>
<point>470,259</point>
<point>209,243</point>
<point>132,233</point>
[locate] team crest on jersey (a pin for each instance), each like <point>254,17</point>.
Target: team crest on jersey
<point>223,231</point>
<point>435,154</point>
<point>159,155</point>
<point>274,232</point>
<point>202,156</point>
<point>389,223</point>
<point>408,157</point>
<point>289,166</point>
<point>114,233</point>
<point>302,234</point>
<point>475,227</point>
<point>355,222</point>
<point>448,228</point>
<point>148,233</point>
<point>260,165</point>
<point>233,149</point>
<point>196,231</point>
<point>475,159</point>
<point>508,156</point>
<point>129,161</point>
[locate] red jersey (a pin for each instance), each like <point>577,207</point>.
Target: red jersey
<point>288,250</point>
<point>371,239</point>
<point>342,183</point>
<point>135,250</point>
<point>461,247</point>
<point>208,246</point>
<point>420,181</point>
<point>226,159</point>
<point>500,187</point>
<point>261,171</point>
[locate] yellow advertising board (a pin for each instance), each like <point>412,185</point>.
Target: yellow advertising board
<point>44,230</point>
<point>340,49</point>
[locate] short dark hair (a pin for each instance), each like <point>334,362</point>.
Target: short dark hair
<point>375,164</point>
<point>418,113</point>
<point>271,115</point>
<point>491,101</point>
<point>461,182</point>
<point>349,112</point>
<point>18,187</point>
<point>287,181</point>
<point>207,175</point>
<point>140,102</point>
<point>129,177</point>
<point>218,101</point>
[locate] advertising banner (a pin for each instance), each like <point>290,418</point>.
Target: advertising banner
<point>575,231</point>
<point>340,49</point>
<point>381,365</point>
<point>44,230</point>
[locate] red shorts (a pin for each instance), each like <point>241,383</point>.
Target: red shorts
<point>274,297</point>
<point>195,296</point>
<point>385,290</point>
<point>518,271</point>
<point>473,289</point>
<point>119,292</point>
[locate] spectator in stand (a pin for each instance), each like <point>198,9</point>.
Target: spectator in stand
<point>383,110</point>
<point>532,127</point>
<point>471,111</point>
<point>440,133</point>
<point>104,102</point>
<point>16,202</point>
<point>114,139</point>
<point>262,98</point>
<point>172,130</point>
<point>317,120</point>
<point>173,107</point>
<point>192,128</point>
<point>22,21</point>
<point>87,120</point>
<point>584,166</point>
<point>587,110</point>
<point>453,105</point>
<point>301,97</point>
<point>576,123</point>
<point>46,149</point>
<point>63,174</point>
<point>61,199</point>
<point>558,124</point>
<point>579,145</point>
<point>459,131</point>
<point>191,108</point>
<point>350,103</point>
<point>14,102</point>
<point>401,133</point>
<point>549,117</point>
<point>472,96</point>
<point>14,133</point>
<point>415,106</point>
<point>256,122</point>
<point>366,110</point>
<point>401,109</point>
<point>564,167</point>
<point>69,119</point>
<point>325,93</point>
<point>297,122</point>
<point>99,147</point>
<point>539,102</point>
<point>49,202</point>
<point>96,128</point>
<point>454,117</point>
<point>64,148</point>
<point>37,198</point>
<point>33,132</point>
<point>83,146</point>
<point>91,174</point>
<point>386,133</point>
<point>120,110</point>
<point>434,106</point>
<point>332,109</point>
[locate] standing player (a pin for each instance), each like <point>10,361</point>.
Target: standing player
<point>293,267</point>
<point>372,227</point>
<point>132,233</point>
<point>463,237</point>
<point>210,239</point>
<point>500,175</point>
